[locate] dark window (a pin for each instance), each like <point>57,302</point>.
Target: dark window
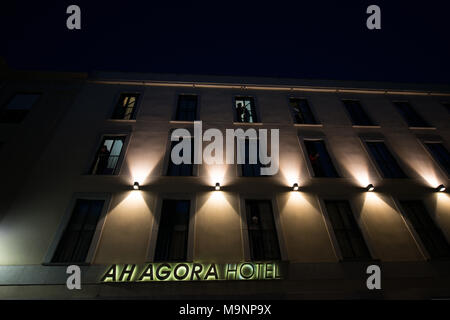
<point>182,169</point>
<point>108,155</point>
<point>385,160</point>
<point>187,108</point>
<point>320,159</point>
<point>249,169</point>
<point>412,118</point>
<point>171,244</point>
<point>430,235</point>
<point>348,235</point>
<point>440,154</point>
<point>358,115</point>
<point>245,109</point>
<point>262,233</point>
<point>18,107</point>
<point>447,106</point>
<point>301,111</point>
<point>126,106</point>
<point>77,237</point>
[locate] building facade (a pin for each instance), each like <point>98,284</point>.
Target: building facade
<point>88,180</point>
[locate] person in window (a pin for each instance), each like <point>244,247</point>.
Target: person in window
<point>103,157</point>
<point>298,115</point>
<point>246,115</point>
<point>314,159</point>
<point>240,112</point>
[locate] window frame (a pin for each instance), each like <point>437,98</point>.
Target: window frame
<point>244,228</point>
<point>4,106</point>
<point>311,108</point>
<point>136,107</point>
<point>118,169</point>
<point>173,118</point>
<point>362,228</point>
<point>424,140</point>
<point>65,219</point>
<point>428,125</point>
<point>257,110</point>
<point>151,249</point>
<point>373,123</point>
<point>334,161</point>
<point>167,159</point>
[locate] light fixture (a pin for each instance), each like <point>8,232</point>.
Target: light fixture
<point>370,187</point>
<point>441,188</point>
<point>217,186</point>
<point>136,185</point>
<point>295,187</point>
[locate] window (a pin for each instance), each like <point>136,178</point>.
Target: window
<point>182,169</point>
<point>430,235</point>
<point>385,160</point>
<point>245,109</point>
<point>348,235</point>
<point>187,108</point>
<point>249,169</point>
<point>301,111</point>
<point>357,114</point>
<point>262,233</point>
<point>412,118</point>
<point>440,154</point>
<point>76,239</point>
<point>446,105</point>
<point>320,159</point>
<point>18,107</point>
<point>126,106</point>
<point>171,244</point>
<point>108,155</point>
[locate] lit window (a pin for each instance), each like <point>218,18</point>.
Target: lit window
<point>431,236</point>
<point>357,114</point>
<point>171,244</point>
<point>412,118</point>
<point>320,159</point>
<point>440,154</point>
<point>126,106</point>
<point>245,109</point>
<point>301,111</point>
<point>385,160</point>
<point>108,155</point>
<point>262,233</point>
<point>186,108</point>
<point>18,107</point>
<point>348,235</point>
<point>77,236</point>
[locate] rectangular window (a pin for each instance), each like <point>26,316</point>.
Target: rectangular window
<point>249,169</point>
<point>431,236</point>
<point>182,169</point>
<point>126,106</point>
<point>245,109</point>
<point>412,118</point>
<point>187,108</point>
<point>18,107</point>
<point>385,160</point>
<point>262,233</point>
<point>108,155</point>
<point>171,244</point>
<point>320,159</point>
<point>77,237</point>
<point>446,105</point>
<point>357,114</point>
<point>301,111</point>
<point>348,235</point>
<point>440,154</point>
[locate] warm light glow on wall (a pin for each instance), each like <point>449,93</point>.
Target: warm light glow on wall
<point>216,173</point>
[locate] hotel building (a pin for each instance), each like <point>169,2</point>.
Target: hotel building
<point>88,180</point>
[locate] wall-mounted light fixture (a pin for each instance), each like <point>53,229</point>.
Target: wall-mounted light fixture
<point>295,187</point>
<point>370,187</point>
<point>441,188</point>
<point>136,185</point>
<point>217,186</point>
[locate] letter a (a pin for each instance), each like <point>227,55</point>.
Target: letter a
<point>74,280</point>
<point>73,21</point>
<point>374,281</point>
<point>374,21</point>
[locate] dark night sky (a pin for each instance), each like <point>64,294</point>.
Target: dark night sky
<point>311,39</point>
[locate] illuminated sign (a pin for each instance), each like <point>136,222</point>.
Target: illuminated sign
<point>193,271</point>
